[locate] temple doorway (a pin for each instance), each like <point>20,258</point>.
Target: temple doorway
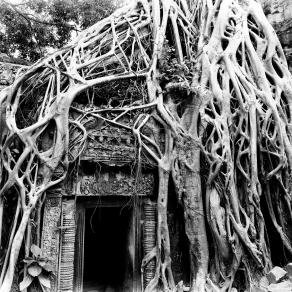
<point>107,265</point>
<point>108,245</point>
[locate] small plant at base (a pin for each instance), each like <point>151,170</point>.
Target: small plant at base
<point>39,270</point>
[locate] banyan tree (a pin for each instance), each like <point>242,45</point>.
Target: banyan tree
<point>201,92</point>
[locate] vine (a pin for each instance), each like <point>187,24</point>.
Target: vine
<point>209,104</point>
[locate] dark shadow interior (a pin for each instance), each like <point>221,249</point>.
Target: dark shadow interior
<point>107,265</point>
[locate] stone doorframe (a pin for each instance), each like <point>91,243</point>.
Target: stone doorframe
<point>114,201</point>
<point>63,236</point>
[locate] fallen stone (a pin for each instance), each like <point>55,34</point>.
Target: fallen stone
<point>264,282</point>
<point>285,286</point>
<point>276,274</point>
<point>258,289</point>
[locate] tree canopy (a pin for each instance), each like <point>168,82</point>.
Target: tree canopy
<point>32,27</point>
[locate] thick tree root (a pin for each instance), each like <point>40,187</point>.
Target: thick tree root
<point>210,106</point>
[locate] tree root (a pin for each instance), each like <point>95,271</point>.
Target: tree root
<point>214,116</point>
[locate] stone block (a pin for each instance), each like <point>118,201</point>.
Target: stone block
<point>276,275</point>
<point>258,289</point>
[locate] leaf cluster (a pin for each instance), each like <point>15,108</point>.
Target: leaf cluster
<point>171,69</point>
<point>39,269</point>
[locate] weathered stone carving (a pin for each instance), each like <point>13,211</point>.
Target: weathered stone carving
<point>68,233</point>
<point>111,155</point>
<point>51,234</point>
<point>118,184</point>
<point>149,239</point>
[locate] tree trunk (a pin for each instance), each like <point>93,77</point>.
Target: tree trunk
<point>195,222</point>
<point>15,248</point>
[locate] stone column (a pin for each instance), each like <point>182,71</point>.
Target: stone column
<point>149,238</point>
<point>67,245</point>
<point>51,234</point>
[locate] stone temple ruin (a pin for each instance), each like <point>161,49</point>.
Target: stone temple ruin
<point>154,152</point>
<point>105,214</point>
<point>115,219</point>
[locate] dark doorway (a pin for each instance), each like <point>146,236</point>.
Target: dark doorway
<point>107,261</point>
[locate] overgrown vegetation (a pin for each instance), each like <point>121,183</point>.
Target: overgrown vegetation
<point>31,28</point>
<point>215,118</point>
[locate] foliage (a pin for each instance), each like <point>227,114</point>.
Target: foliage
<point>38,268</point>
<point>171,69</point>
<point>32,27</point>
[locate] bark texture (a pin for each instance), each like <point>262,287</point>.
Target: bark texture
<point>209,105</point>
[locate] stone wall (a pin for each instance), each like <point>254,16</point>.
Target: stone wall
<point>279,13</point>
<point>9,69</point>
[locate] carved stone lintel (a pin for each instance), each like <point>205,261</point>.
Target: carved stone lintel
<point>115,184</point>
